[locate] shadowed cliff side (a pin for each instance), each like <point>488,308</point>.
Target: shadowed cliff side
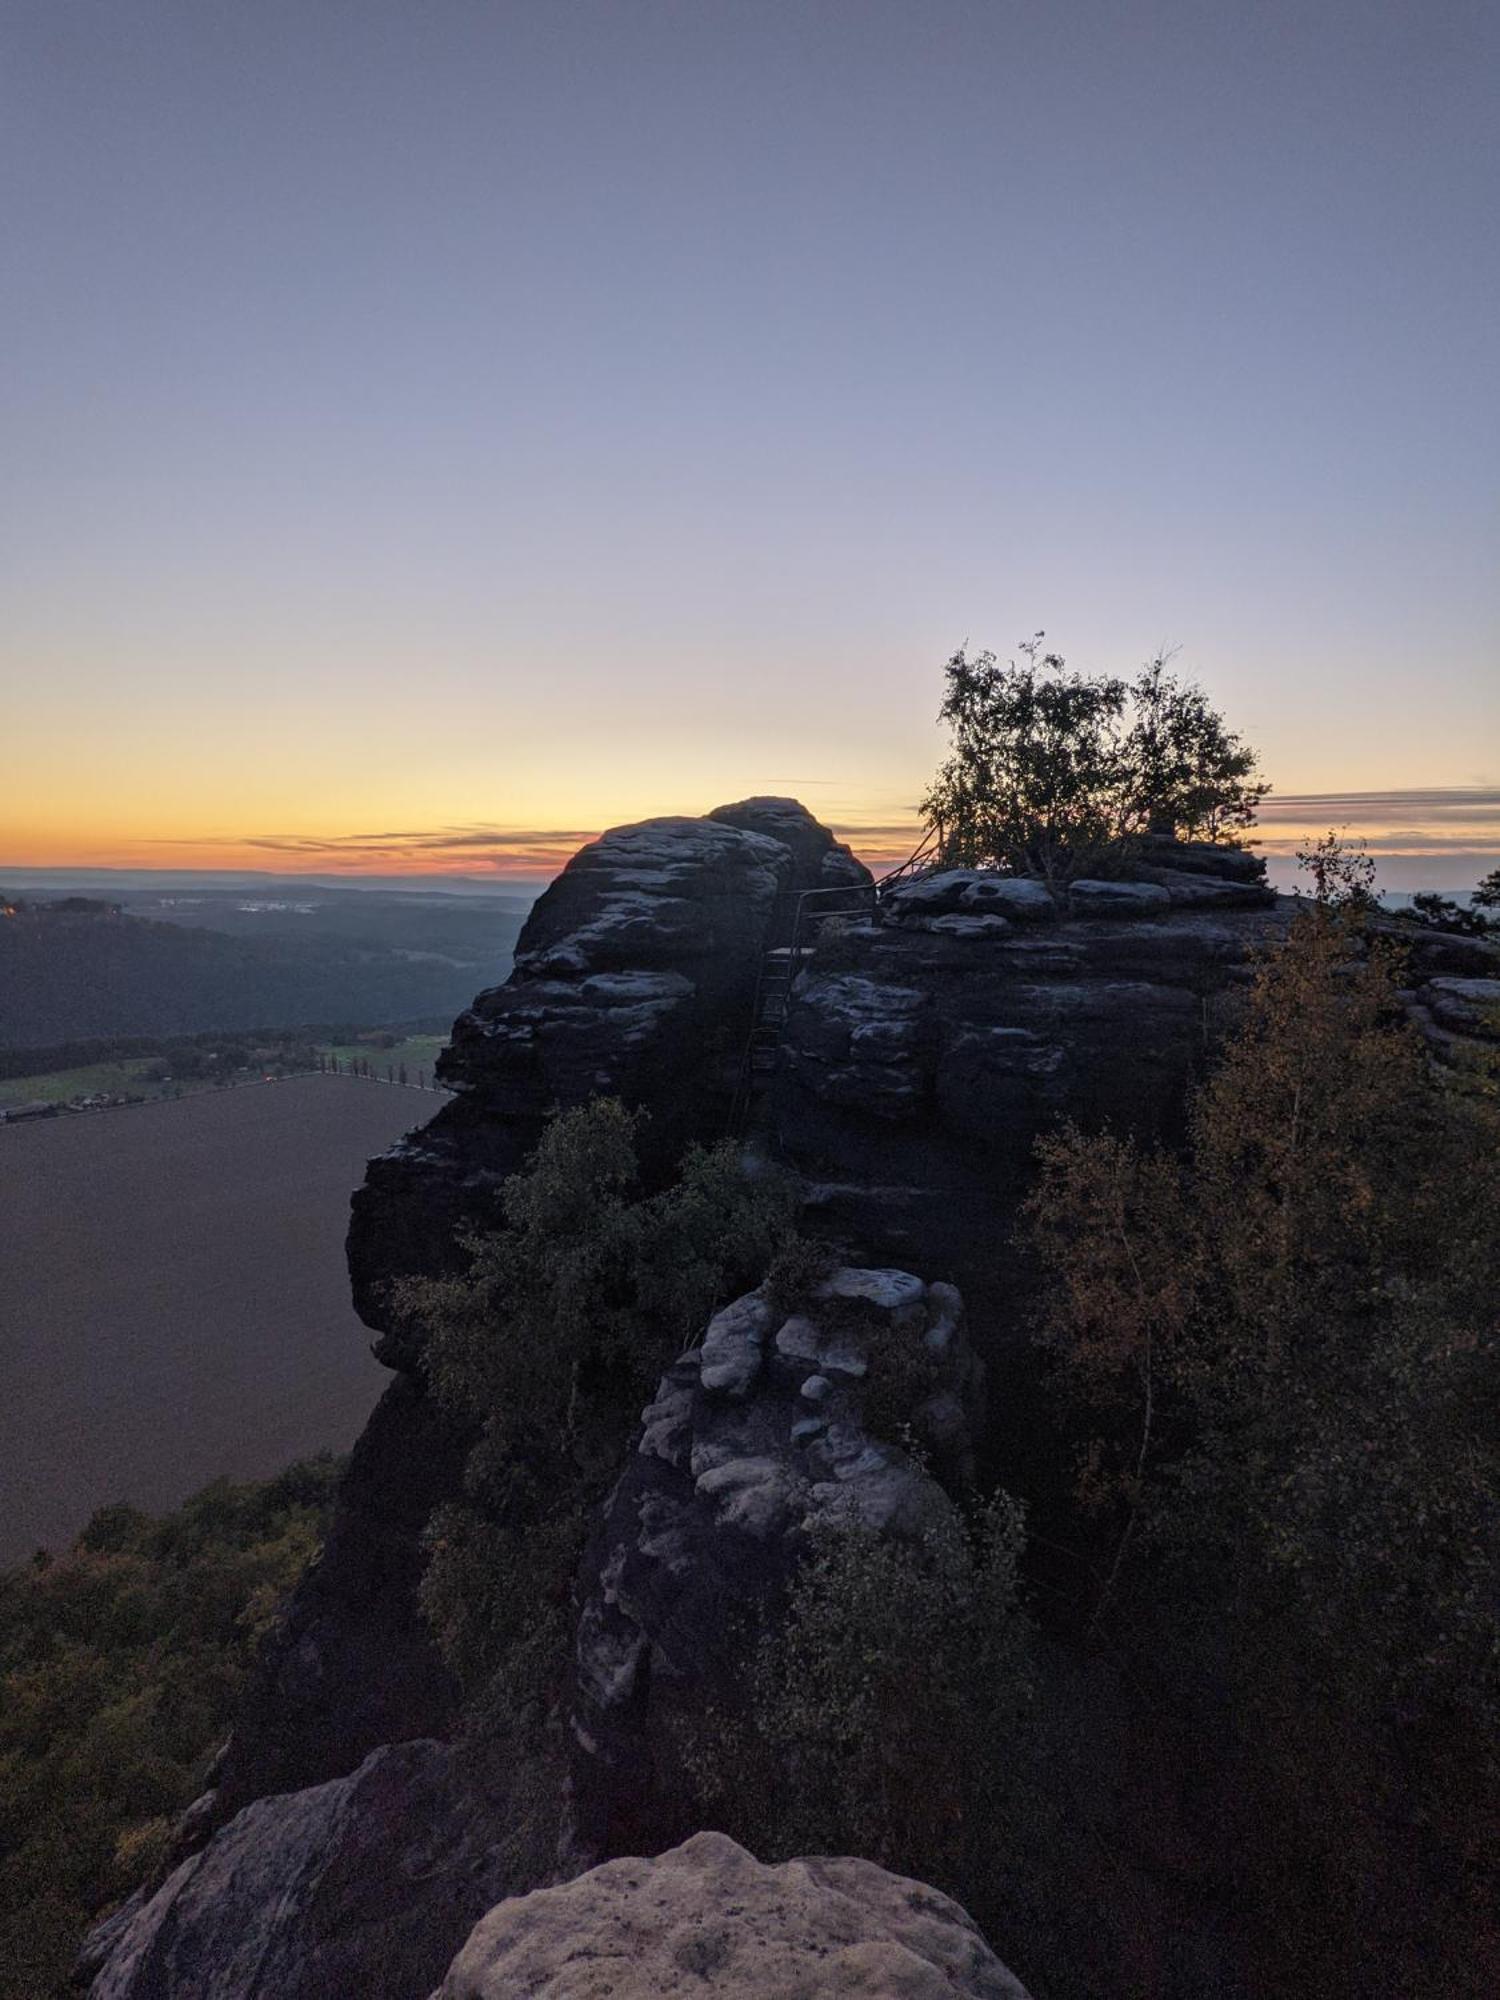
<point>634,978</point>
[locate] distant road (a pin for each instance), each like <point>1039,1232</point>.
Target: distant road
<point>173,1298</point>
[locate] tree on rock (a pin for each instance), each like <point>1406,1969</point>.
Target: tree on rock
<point>1057,774</point>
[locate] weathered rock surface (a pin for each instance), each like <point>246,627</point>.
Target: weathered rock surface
<point>954,890</point>
<point>754,1439</point>
<point>923,1055</point>
<point>1118,899</point>
<point>366,1885</point>
<point>634,976</point>
<point>919,1062</point>
<point>709,1918</point>
<point>354,1665</point>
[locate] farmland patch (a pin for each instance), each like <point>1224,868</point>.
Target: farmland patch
<point>173,1298</point>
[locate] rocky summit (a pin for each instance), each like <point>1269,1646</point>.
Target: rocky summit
<point>897,1052</point>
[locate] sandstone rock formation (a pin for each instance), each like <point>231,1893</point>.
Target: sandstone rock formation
<point>924,1053</point>
<point>709,1918</point>
<point>365,1885</point>
<point>925,1044</point>
<point>781,1421</point>
<point>634,976</point>
<point>354,1664</point>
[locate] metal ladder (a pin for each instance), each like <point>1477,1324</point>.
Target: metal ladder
<point>780,964</point>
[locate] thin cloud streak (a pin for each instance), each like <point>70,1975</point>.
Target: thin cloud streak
<point>1460,822</point>
<point>418,850</point>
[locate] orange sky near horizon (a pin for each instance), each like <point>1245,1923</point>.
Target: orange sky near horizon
<point>1451,827</point>
<point>435,434</point>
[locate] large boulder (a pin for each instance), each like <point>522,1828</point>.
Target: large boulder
<point>978,891</point>
<point>782,1420</point>
<point>709,1918</point>
<point>366,1885</point>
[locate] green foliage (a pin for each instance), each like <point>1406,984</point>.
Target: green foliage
<point>1487,895</point>
<point>796,1272</point>
<point>120,1665</point>
<point>549,1342</point>
<point>1288,1347</point>
<point>1440,913</point>
<point>888,1707</point>
<point>890,1698</point>
<point>1055,773</point>
<point>1343,874</point>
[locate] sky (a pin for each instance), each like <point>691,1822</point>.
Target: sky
<point>431,433</point>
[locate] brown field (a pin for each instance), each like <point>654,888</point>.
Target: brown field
<point>173,1299</point>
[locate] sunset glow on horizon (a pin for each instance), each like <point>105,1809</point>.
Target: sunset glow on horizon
<point>436,435</point>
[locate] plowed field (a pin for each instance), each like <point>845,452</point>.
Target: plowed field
<point>173,1298</point>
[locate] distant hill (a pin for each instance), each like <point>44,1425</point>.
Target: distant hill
<point>76,968</point>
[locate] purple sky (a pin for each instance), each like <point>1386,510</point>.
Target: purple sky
<point>538,415</point>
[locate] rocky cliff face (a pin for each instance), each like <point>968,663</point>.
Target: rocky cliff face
<point>924,1053</point>
<point>634,977</point>
<point>364,1885</point>
<point>782,1421</point>
<point>370,1885</point>
<point>369,1882</point>
<point>921,1050</point>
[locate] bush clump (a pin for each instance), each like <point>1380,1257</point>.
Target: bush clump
<point>547,1345</point>
<point>1058,774</point>
<point>121,1662</point>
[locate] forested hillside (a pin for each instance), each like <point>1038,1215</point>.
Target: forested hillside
<point>73,972</point>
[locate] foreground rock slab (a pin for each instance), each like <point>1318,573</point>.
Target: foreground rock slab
<point>709,1918</point>
<point>365,1885</point>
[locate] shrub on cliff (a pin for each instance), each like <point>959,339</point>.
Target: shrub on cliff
<point>1054,773</point>
<point>121,1661</point>
<point>547,1345</point>
<point>1287,1347</point>
<point>890,1699</point>
<point>890,1709</point>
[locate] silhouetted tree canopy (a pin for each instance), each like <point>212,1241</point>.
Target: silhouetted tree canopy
<point>1056,773</point>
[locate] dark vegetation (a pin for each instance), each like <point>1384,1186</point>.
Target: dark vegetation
<point>549,1345</point>
<point>80,969</point>
<point>120,1664</point>
<point>1059,774</point>
<point>1251,1724</point>
<point>1271,1677</point>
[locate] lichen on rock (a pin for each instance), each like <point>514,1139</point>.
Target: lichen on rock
<point>708,1918</point>
<point>781,1424</point>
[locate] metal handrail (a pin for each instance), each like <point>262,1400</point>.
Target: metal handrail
<point>921,858</point>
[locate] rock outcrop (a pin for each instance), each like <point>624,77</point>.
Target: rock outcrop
<point>366,1885</point>
<point>923,1053</point>
<point>354,1664</point>
<point>783,1420</point>
<point>709,1918</point>
<point>634,977</point>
